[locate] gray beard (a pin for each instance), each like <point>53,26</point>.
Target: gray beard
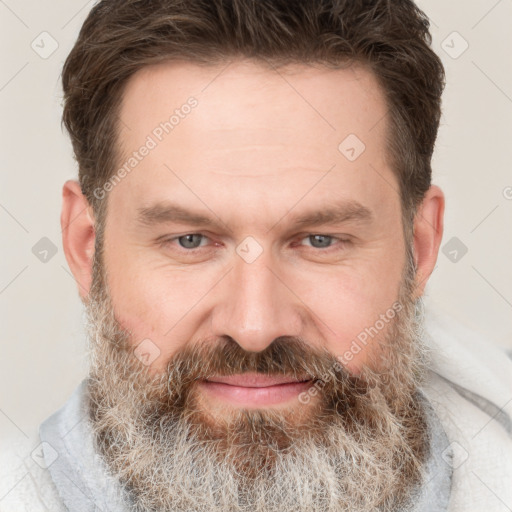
<point>359,445</point>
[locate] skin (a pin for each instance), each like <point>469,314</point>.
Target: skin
<point>258,151</point>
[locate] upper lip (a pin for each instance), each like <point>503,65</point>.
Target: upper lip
<point>256,380</point>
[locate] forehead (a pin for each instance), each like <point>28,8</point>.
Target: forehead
<point>251,131</point>
<point>300,101</point>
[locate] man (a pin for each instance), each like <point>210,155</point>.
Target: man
<point>251,235</point>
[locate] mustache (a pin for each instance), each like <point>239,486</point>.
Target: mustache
<point>285,356</point>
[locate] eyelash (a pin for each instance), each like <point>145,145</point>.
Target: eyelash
<point>333,246</point>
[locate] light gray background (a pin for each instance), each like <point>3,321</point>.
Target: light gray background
<point>42,340</point>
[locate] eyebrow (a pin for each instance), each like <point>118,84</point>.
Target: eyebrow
<point>161,213</point>
<point>346,211</point>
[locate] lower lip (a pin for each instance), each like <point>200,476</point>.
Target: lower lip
<point>262,396</point>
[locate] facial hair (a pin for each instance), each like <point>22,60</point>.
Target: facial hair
<point>359,444</point>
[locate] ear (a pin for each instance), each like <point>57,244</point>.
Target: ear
<point>78,235</point>
<point>428,233</point>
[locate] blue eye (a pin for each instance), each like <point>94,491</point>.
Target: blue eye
<point>191,241</point>
<point>320,241</point>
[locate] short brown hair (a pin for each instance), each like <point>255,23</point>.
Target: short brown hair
<point>391,37</point>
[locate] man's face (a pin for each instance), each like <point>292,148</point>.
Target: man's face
<point>245,255</point>
<point>257,159</point>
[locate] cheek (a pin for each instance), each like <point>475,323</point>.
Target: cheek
<point>156,303</point>
<point>353,308</point>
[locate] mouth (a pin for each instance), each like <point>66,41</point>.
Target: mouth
<point>254,389</point>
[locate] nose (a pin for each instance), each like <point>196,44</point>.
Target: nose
<point>255,305</point>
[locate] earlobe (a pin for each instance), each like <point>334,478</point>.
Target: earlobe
<point>78,234</point>
<point>428,233</point>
